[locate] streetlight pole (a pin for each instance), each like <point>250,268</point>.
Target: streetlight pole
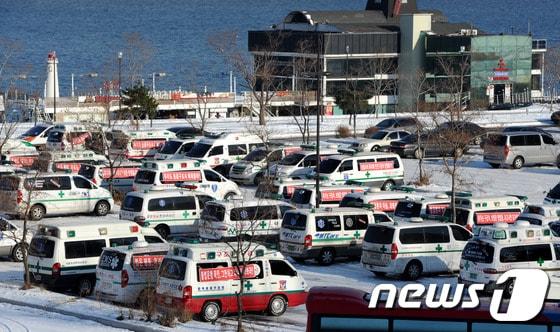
<point>318,128</point>
<point>119,57</point>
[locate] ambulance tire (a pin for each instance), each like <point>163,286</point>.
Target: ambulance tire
<point>210,311</point>
<point>508,289</point>
<point>413,270</point>
<point>37,212</point>
<point>375,148</point>
<point>102,208</point>
<point>387,185</point>
<point>277,305</point>
<point>163,231</point>
<point>326,256</point>
<point>229,196</point>
<point>85,286</point>
<point>518,162</point>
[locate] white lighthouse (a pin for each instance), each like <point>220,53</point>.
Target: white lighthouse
<point>52,76</point>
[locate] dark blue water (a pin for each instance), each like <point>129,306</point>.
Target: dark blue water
<point>88,34</point>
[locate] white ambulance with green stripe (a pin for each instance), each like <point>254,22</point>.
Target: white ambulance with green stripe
<point>375,169</point>
<point>410,249</point>
<point>501,247</point>
<point>203,279</point>
<point>128,274</point>
<point>166,211</point>
<point>63,255</point>
<point>325,233</point>
<point>52,194</point>
<point>235,218</point>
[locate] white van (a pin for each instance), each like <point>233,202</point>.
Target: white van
<point>540,214</point>
<point>410,249</point>
<point>305,197</point>
<point>64,254</point>
<point>325,233</point>
<point>121,177</point>
<point>425,207</point>
<point>377,200</point>
<point>282,189</point>
<point>221,150</point>
<point>480,211</point>
<point>231,219</point>
<point>138,145</point>
<point>63,137</point>
<point>253,167</point>
<point>128,274</point>
<point>203,279</point>
<point>167,211</point>
<point>176,148</point>
<point>37,135</point>
<point>53,161</point>
<point>165,174</point>
<point>383,170</point>
<point>18,153</point>
<point>500,247</point>
<point>52,194</point>
<point>300,164</point>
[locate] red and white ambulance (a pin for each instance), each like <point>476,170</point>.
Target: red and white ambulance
<point>120,176</point>
<point>484,211</point>
<point>18,153</point>
<point>205,278</point>
<point>305,197</point>
<point>377,200</point>
<point>137,145</point>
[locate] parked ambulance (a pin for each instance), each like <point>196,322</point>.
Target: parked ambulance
<point>425,207</point>
<point>166,211</point>
<point>37,135</point>
<point>66,137</point>
<point>305,197</point>
<point>231,219</point>
<point>498,248</point>
<point>221,150</point>
<point>540,214</point>
<point>120,176</point>
<point>137,145</point>
<point>410,249</point>
<point>54,161</point>
<point>300,164</point>
<point>480,211</point>
<point>128,274</point>
<point>18,153</point>
<point>52,194</point>
<point>204,279</point>
<point>383,170</point>
<point>324,233</point>
<point>252,168</point>
<point>553,196</point>
<point>169,173</point>
<point>377,200</point>
<point>63,255</point>
<point>176,148</point>
<point>283,188</point>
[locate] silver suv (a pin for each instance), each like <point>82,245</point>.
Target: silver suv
<point>517,149</point>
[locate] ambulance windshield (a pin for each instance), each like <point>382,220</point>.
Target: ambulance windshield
<point>291,160</point>
<point>170,147</point>
<point>199,150</point>
<point>555,192</point>
<point>406,209</point>
<point>328,166</point>
<point>478,252</point>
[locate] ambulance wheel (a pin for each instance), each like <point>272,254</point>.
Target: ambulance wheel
<point>518,162</point>
<point>229,196</point>
<point>508,289</point>
<point>326,257</point>
<point>37,212</point>
<point>210,312</point>
<point>85,287</point>
<point>163,230</point>
<point>277,305</point>
<point>102,208</point>
<point>558,161</point>
<point>375,148</point>
<point>494,165</point>
<point>17,253</point>
<point>413,270</point>
<point>387,185</point>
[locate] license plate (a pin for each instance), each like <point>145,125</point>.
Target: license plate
<point>291,248</point>
<point>472,275</point>
<point>168,300</point>
<point>37,277</point>
<point>106,285</point>
<point>375,256</point>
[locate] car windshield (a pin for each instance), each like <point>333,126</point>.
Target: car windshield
<point>385,123</point>
<point>478,252</point>
<point>34,131</point>
<point>292,160</point>
<point>170,147</point>
<point>145,177</point>
<point>111,260</point>
<point>554,193</point>
<point>379,135</point>
<point>461,216</point>
<point>87,171</point>
<point>55,136</point>
<point>532,221</point>
<point>328,166</point>
<point>256,155</point>
<point>379,234</point>
<point>213,212</point>
<point>199,150</point>
<point>266,190</point>
<point>410,139</point>
<point>132,203</point>
<point>349,201</point>
<point>406,209</point>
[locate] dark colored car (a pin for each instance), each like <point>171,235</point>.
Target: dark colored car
<point>431,145</point>
<point>409,124</point>
<point>473,132</point>
<point>555,117</point>
<point>186,131</point>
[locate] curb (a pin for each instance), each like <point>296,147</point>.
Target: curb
<point>104,321</point>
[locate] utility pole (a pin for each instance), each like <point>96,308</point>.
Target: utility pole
<point>119,57</point>
<point>319,109</point>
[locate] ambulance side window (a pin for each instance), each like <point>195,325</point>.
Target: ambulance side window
<point>216,151</point>
<point>346,166</point>
<point>81,249</point>
<point>266,212</point>
<point>212,176</point>
<point>439,234</point>
<point>280,268</point>
<point>310,161</point>
<point>259,263</point>
<point>153,239</point>
<point>459,233</point>
<point>122,241</point>
<point>356,222</point>
<point>81,183</point>
<point>327,223</point>
<point>237,149</point>
<point>380,218</point>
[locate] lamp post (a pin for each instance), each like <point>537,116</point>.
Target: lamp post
<point>119,58</point>
<point>319,110</point>
<point>154,79</point>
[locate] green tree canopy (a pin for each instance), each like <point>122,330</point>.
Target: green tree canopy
<point>139,103</point>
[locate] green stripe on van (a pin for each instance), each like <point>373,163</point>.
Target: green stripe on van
<point>69,199</point>
<point>162,220</point>
<point>335,239</point>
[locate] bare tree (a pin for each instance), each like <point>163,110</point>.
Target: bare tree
<point>259,73</point>
<point>202,111</point>
<point>552,69</point>
<point>303,95</point>
<point>382,71</point>
<point>137,54</point>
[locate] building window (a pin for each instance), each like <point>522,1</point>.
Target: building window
<point>536,82</point>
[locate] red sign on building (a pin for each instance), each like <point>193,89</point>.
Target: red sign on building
<point>502,72</point>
